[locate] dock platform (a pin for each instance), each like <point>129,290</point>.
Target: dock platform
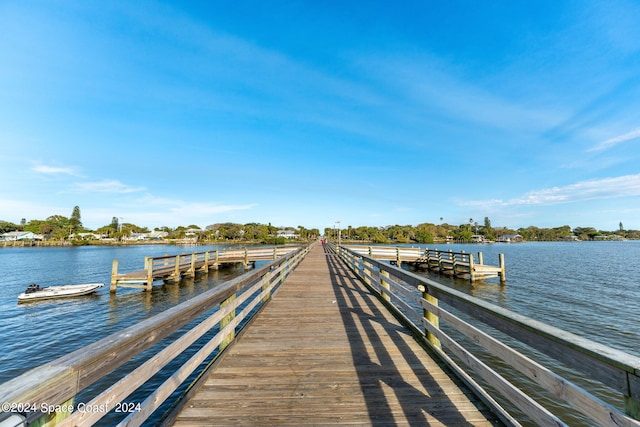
<point>459,264</point>
<point>175,267</point>
<point>324,351</point>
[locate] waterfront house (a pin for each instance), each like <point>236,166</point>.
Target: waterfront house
<point>510,238</point>
<point>14,236</point>
<point>157,235</point>
<point>287,233</point>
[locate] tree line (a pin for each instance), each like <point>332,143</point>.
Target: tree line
<point>432,233</point>
<point>59,227</point>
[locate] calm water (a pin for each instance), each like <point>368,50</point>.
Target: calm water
<point>589,288</point>
<point>37,332</point>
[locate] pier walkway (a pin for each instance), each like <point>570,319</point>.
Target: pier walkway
<point>308,339</point>
<point>344,359</point>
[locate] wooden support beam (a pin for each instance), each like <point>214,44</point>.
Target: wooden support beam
<point>114,276</point>
<point>176,274</point>
<point>472,271</point>
<point>148,261</point>
<point>205,268</point>
<point>503,271</point>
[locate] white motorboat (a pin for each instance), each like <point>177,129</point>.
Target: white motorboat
<point>36,293</point>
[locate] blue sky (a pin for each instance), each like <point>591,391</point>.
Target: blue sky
<point>307,113</point>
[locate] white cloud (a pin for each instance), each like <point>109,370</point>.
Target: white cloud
<point>605,145</point>
<point>105,186</point>
<point>53,170</point>
<point>605,188</point>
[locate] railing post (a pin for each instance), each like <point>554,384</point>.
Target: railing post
<point>114,276</point>
<point>206,261</point>
<point>472,270</point>
<point>148,264</point>
<point>367,268</point>
<point>246,257</point>
<point>398,261</point>
<point>385,285</point>
<point>632,407</point>
<point>452,258</point>
<point>226,320</point>
<point>53,418</point>
<point>430,317</point>
<point>268,277</point>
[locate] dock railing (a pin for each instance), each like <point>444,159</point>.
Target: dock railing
<point>459,264</point>
<point>46,394</point>
<point>175,267</point>
<point>417,301</point>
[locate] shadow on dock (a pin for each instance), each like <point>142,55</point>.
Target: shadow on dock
<point>403,379</point>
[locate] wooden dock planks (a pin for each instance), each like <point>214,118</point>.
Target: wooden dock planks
<point>326,352</point>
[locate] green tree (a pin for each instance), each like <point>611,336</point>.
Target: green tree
<point>463,233</point>
<point>585,233</point>
<point>425,233</point>
<point>6,227</point>
<point>75,223</point>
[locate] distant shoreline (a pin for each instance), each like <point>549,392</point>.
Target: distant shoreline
<point>174,242</point>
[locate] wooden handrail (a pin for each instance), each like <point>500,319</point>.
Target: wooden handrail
<point>174,267</point>
<point>420,296</point>
<point>459,264</point>
<point>61,380</point>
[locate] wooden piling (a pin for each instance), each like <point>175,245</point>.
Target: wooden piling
<point>503,270</point>
<point>192,270</point>
<point>148,262</point>
<point>216,263</point>
<point>176,274</point>
<point>114,276</point>
<point>205,267</point>
<point>472,271</point>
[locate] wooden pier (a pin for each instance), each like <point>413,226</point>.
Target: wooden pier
<point>345,361</point>
<point>327,336</point>
<point>174,267</point>
<point>458,264</point>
